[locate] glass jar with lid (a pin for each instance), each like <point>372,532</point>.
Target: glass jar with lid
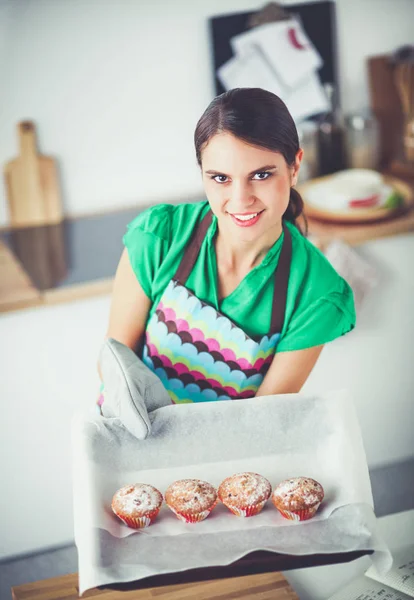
<point>307,132</point>
<point>362,140</point>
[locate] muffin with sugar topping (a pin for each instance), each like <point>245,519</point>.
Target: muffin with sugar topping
<point>191,500</point>
<point>245,494</point>
<point>137,505</point>
<point>298,498</point>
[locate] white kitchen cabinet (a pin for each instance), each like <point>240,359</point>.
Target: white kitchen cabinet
<point>48,362</point>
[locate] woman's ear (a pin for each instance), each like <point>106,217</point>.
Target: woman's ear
<point>296,167</point>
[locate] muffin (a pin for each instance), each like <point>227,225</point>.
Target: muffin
<point>191,500</point>
<point>137,505</point>
<point>245,494</point>
<point>298,498</point>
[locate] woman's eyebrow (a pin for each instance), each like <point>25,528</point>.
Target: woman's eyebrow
<point>258,170</point>
<point>265,168</point>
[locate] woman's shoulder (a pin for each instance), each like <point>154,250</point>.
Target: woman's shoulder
<point>320,304</point>
<point>166,221</point>
<point>314,277</point>
<point>157,237</point>
<point>311,262</point>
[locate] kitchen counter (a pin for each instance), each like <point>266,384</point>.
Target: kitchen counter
<point>59,263</point>
<point>78,258</point>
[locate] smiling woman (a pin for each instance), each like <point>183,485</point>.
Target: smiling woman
<point>226,299</point>
<point>245,197</point>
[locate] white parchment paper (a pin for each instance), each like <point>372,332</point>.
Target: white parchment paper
<point>277,436</point>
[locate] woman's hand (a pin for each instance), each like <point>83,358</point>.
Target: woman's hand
<point>129,307</point>
<point>289,371</point>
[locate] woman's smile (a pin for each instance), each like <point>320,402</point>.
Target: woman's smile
<point>246,219</point>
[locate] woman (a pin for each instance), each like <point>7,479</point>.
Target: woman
<point>226,298</point>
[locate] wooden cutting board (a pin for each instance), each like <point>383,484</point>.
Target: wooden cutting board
<point>15,285</point>
<point>43,253</point>
<point>266,586</point>
<point>32,185</point>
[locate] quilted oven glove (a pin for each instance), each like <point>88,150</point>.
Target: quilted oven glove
<point>131,389</point>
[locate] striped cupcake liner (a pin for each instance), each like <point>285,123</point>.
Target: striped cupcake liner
<point>139,522</point>
<point>299,515</point>
<point>191,518</point>
<point>246,511</point>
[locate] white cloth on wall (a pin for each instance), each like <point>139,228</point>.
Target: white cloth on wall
<point>280,58</point>
<point>286,47</point>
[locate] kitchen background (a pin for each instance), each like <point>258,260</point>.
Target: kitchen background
<point>115,89</point>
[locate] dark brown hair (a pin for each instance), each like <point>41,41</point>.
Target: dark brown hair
<point>259,118</point>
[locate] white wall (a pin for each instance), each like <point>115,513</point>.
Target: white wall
<point>116,87</point>
<point>48,371</point>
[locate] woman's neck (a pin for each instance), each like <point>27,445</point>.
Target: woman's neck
<point>244,256</point>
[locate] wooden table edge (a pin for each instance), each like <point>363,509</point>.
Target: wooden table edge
<point>62,295</point>
<point>252,565</point>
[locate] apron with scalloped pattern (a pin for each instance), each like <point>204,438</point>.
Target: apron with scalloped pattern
<point>197,352</point>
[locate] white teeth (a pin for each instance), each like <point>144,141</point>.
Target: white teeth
<point>245,217</point>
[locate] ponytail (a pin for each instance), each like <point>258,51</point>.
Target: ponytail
<point>295,210</point>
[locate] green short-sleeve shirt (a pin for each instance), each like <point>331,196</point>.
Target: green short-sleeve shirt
<point>320,303</point>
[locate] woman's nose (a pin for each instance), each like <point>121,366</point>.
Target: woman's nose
<point>241,195</point>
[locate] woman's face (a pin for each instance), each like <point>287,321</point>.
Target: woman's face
<point>248,187</point>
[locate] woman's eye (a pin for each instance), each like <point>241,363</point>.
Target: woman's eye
<point>220,178</point>
<point>260,175</point>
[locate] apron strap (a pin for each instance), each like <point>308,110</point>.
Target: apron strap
<point>282,271</point>
<point>193,249</point>
<point>281,284</point>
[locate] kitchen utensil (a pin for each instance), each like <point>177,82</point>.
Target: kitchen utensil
<point>404,78</point>
<point>386,107</point>
<point>32,183</point>
<point>331,147</point>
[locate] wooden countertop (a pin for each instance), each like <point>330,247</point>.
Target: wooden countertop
<point>76,259</point>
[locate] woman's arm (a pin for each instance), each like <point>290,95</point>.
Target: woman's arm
<point>289,371</point>
<point>129,306</point>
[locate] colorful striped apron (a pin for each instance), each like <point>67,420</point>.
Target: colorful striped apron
<point>197,352</point>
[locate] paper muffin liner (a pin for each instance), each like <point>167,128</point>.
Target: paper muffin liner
<point>299,515</point>
<point>246,511</point>
<point>193,517</point>
<point>139,522</point>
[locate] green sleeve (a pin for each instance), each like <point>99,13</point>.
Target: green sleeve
<point>324,320</point>
<point>146,241</point>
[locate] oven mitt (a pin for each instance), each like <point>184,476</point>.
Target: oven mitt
<point>131,389</point>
